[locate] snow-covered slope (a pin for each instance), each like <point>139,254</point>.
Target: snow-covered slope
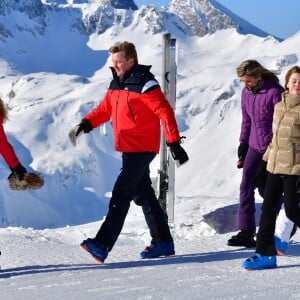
<point>49,264</point>
<point>54,72</point>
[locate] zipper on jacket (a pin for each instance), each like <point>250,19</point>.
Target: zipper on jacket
<point>130,109</point>
<point>275,134</point>
<point>258,141</point>
<point>116,119</point>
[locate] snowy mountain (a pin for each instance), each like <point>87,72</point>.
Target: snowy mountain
<point>193,17</point>
<point>63,29</point>
<point>54,69</point>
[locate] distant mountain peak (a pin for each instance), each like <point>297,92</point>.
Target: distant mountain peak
<point>200,16</point>
<point>189,17</point>
<point>119,4</point>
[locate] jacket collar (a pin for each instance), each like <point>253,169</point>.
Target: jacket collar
<point>136,69</point>
<point>289,100</point>
<point>262,87</point>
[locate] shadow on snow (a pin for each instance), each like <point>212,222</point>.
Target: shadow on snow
<point>224,219</point>
<point>240,253</point>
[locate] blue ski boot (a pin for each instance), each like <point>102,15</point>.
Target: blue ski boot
<point>259,262</point>
<point>280,245</point>
<point>95,249</point>
<point>157,250</point>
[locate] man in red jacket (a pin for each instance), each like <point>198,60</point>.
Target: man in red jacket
<point>136,105</point>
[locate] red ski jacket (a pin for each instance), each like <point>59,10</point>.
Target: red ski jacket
<point>6,149</point>
<point>136,106</point>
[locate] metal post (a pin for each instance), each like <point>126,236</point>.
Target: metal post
<point>172,100</point>
<point>166,173</point>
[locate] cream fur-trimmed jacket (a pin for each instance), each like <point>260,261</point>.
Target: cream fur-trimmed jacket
<point>283,153</point>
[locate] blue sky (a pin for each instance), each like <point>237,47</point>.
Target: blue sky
<point>280,18</point>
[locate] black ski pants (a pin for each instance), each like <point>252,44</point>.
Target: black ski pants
<point>134,183</point>
<point>276,185</point>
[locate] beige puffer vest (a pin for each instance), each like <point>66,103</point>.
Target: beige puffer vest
<point>283,153</point>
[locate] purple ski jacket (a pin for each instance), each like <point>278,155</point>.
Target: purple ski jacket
<point>257,115</point>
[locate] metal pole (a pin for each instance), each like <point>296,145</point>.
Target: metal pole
<point>163,172</point>
<point>172,100</point>
<point>166,173</point>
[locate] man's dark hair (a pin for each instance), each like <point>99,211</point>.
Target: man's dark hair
<point>128,48</point>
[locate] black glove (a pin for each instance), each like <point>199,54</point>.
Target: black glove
<point>242,152</point>
<point>19,170</point>
<point>178,152</point>
<point>260,177</point>
<point>84,126</point>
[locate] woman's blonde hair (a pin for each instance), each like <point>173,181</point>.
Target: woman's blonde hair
<point>3,110</point>
<point>253,68</point>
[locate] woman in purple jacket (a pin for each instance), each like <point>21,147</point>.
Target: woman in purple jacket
<point>259,96</point>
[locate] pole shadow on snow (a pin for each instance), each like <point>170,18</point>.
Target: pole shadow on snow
<point>209,257</point>
<point>224,219</point>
